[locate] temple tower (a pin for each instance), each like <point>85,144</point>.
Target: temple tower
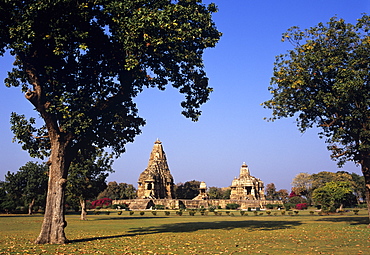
<point>156,181</point>
<point>247,187</point>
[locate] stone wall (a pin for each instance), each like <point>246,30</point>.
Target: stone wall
<point>142,204</point>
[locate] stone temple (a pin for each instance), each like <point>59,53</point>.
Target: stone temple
<point>247,187</point>
<point>156,181</point>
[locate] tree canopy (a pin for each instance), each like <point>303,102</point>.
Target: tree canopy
<point>27,187</point>
<point>323,81</point>
<point>80,64</point>
<point>332,195</point>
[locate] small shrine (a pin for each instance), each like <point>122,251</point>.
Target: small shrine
<point>247,187</point>
<point>156,181</point>
<point>202,192</point>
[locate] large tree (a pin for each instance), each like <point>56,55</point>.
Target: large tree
<point>81,63</point>
<point>324,81</point>
<point>332,195</point>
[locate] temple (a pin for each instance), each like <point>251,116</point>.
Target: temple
<point>247,187</point>
<point>156,181</point>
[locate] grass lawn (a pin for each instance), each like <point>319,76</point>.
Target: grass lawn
<point>161,234</point>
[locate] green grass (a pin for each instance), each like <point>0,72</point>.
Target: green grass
<point>160,234</point>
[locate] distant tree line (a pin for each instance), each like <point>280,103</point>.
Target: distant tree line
<point>326,190</point>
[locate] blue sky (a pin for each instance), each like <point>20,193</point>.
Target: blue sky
<point>231,129</point>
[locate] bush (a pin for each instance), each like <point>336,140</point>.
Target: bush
<point>270,206</point>
<point>356,211</point>
<point>107,212</point>
<point>120,206</point>
<point>132,213</point>
<point>167,213</point>
<point>232,206</point>
<point>242,213</point>
<point>154,213</point>
<point>142,213</point>
<point>212,208</point>
<point>191,213</point>
<point>103,202</point>
<point>312,212</point>
<point>158,207</point>
<point>179,213</point>
<point>290,213</point>
<point>119,212</point>
<point>296,212</point>
<point>255,213</point>
<point>282,212</point>
<point>268,212</point>
<point>301,206</point>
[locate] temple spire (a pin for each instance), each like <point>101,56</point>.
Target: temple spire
<point>156,180</point>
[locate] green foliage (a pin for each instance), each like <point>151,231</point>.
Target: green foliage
<point>27,187</point>
<point>332,195</point>
<point>219,193</point>
<point>232,206</point>
<point>187,190</point>
<point>270,190</point>
<point>118,191</point>
<point>158,207</point>
<point>91,65</point>
<point>87,175</point>
<point>324,80</point>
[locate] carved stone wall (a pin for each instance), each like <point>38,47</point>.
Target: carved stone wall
<point>156,181</point>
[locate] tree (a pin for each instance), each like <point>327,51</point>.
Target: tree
<point>187,190</point>
<point>302,185</point>
<point>7,204</point>
<point>219,193</point>
<point>332,195</point>
<point>324,82</point>
<point>28,186</point>
<point>118,191</point>
<point>358,187</point>
<point>271,191</point>
<point>282,195</point>
<point>87,175</point>
<point>82,66</point>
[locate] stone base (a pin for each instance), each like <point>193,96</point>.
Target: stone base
<point>175,204</point>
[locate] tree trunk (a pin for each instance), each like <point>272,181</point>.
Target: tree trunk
<point>83,209</point>
<point>30,206</point>
<point>52,229</point>
<point>365,167</point>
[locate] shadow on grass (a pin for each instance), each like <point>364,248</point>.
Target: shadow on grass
<point>194,226</point>
<point>359,220</point>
